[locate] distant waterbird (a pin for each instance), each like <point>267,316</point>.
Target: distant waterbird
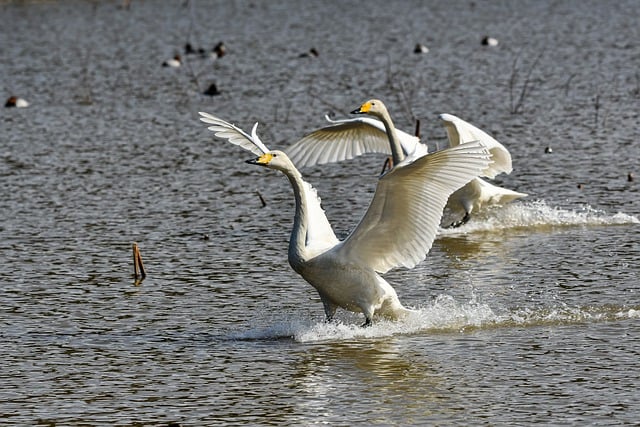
<point>174,62</point>
<point>16,102</point>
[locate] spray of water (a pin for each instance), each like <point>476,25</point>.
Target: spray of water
<point>539,215</point>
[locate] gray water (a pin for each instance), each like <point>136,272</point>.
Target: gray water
<point>527,314</point>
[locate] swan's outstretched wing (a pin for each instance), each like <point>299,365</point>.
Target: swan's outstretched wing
<point>403,218</point>
<point>321,235</point>
<point>344,140</point>
<point>234,134</point>
<point>460,132</point>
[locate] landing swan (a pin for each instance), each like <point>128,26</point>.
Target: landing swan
<point>348,138</point>
<point>397,230</point>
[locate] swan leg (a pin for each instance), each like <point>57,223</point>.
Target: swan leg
<point>463,221</point>
<point>368,314</point>
<point>388,164</point>
<point>329,309</point>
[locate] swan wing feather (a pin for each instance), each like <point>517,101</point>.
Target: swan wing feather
<point>403,218</point>
<point>345,139</point>
<point>460,131</point>
<point>320,237</point>
<point>234,134</point>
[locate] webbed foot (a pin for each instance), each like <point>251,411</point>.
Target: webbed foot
<point>463,221</point>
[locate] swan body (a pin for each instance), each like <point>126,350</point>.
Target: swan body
<point>397,230</point>
<point>478,192</point>
<point>472,197</point>
<point>345,139</point>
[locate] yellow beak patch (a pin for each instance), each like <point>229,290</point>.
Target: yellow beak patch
<point>364,108</point>
<point>264,159</point>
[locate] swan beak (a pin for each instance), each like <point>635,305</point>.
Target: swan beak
<point>364,108</point>
<point>262,160</point>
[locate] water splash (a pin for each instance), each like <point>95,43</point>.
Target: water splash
<point>443,315</point>
<point>538,214</point>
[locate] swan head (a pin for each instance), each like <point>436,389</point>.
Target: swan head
<point>273,160</point>
<point>373,107</point>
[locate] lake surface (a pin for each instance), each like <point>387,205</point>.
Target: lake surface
<point>527,314</point>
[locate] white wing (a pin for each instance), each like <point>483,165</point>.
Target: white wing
<point>321,235</point>
<point>403,218</point>
<point>234,134</point>
<point>460,132</point>
<point>346,139</point>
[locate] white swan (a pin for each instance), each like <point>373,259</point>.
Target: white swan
<point>345,139</point>
<point>478,192</point>
<point>397,230</point>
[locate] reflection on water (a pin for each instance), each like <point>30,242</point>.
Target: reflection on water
<point>385,371</point>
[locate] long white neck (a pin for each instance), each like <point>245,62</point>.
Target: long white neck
<point>311,234</point>
<point>298,238</point>
<point>396,147</point>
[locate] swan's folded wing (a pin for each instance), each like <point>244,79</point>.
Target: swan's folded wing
<point>403,218</point>
<point>460,132</point>
<point>234,134</point>
<point>344,140</point>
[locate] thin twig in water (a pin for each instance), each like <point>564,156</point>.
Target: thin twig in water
<point>138,268</point>
<point>325,102</point>
<point>407,101</point>
<point>517,107</point>
<point>596,107</point>
<point>567,83</point>
<point>264,204</point>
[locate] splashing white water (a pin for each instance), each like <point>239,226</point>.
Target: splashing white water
<point>538,214</point>
<point>444,314</point>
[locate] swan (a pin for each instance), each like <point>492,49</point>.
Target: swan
<point>397,230</point>
<point>478,193</point>
<point>347,138</point>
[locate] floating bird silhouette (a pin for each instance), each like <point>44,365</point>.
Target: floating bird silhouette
<point>174,62</point>
<point>347,138</point>
<point>16,102</point>
<point>489,41</point>
<point>397,230</point>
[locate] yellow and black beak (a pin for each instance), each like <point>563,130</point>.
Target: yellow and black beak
<point>262,160</point>
<point>363,109</point>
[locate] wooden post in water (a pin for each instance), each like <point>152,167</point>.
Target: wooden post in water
<point>138,268</point>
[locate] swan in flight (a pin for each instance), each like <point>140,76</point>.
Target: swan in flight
<point>397,230</point>
<point>348,138</point>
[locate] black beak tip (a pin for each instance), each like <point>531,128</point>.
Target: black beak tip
<point>251,161</point>
<point>356,111</point>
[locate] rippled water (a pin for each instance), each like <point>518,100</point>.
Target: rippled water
<point>527,314</point>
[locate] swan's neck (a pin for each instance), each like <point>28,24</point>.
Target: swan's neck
<point>298,239</point>
<point>396,147</point>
